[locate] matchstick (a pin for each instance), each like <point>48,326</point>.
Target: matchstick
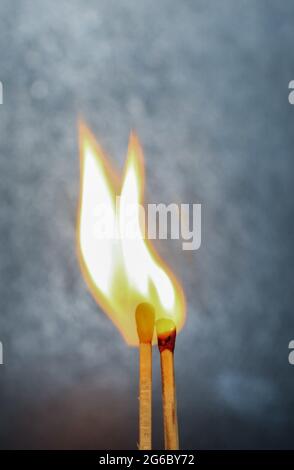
<point>145,316</point>
<point>166,334</point>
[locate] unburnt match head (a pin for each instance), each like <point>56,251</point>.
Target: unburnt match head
<point>166,334</point>
<point>145,318</point>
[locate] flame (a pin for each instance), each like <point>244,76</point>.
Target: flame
<point>121,272</point>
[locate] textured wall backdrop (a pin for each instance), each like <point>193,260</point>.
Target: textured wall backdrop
<point>205,84</point>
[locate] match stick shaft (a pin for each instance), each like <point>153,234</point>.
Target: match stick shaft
<point>145,396</point>
<point>170,420</point>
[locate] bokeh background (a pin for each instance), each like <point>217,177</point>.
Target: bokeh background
<point>205,84</point>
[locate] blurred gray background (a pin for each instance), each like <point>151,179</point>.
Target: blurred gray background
<point>205,84</point>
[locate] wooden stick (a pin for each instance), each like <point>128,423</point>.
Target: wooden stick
<point>145,325</point>
<point>166,334</point>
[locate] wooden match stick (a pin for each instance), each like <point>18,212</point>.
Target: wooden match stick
<point>145,317</point>
<point>166,334</point>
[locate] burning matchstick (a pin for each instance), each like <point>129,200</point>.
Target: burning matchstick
<point>121,271</point>
<point>145,316</point>
<point>166,334</point>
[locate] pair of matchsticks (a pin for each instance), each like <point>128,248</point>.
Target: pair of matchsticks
<point>166,334</point>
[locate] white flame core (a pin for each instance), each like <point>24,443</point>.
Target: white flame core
<point>101,255</point>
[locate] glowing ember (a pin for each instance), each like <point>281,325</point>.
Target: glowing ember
<point>121,272</point>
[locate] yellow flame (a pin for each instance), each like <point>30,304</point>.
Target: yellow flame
<point>121,272</point>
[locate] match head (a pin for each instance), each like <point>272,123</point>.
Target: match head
<point>166,334</point>
<point>145,317</point>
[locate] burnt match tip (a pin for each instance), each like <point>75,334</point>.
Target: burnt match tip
<point>145,317</point>
<point>166,334</point>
